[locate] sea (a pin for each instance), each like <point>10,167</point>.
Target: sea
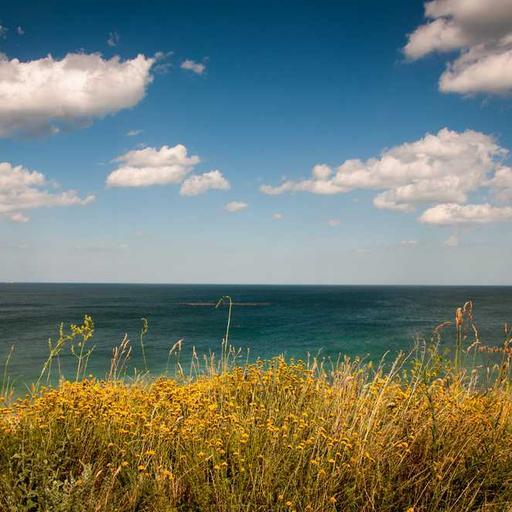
<point>298,322</point>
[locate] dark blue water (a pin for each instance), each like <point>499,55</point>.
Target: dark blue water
<point>268,320</point>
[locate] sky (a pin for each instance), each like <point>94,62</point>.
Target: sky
<point>304,142</point>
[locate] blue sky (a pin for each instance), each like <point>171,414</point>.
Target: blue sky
<point>260,92</point>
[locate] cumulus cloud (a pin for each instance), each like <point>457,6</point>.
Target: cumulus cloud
<point>235,206</point>
<point>501,183</point>
<point>481,33</point>
<point>440,172</point>
<point>438,168</point>
<point>456,214</point>
<point>321,182</point>
<point>22,189</point>
<point>41,96</point>
<point>165,166</point>
<point>151,166</point>
<point>201,183</point>
<point>480,70</point>
<point>196,67</point>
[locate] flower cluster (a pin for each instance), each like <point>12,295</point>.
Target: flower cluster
<point>269,436</point>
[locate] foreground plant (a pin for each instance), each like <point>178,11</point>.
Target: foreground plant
<point>419,436</point>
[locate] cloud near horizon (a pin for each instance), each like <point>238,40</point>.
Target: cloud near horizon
<point>438,169</point>
<point>235,206</point>
<point>481,31</point>
<point>42,96</point>
<point>22,189</point>
<point>164,166</point>
<point>456,214</point>
<point>452,241</point>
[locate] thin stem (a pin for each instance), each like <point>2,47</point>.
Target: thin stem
<point>143,332</point>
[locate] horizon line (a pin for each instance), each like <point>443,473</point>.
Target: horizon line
<point>148,283</point>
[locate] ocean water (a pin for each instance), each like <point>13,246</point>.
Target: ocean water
<point>367,321</point>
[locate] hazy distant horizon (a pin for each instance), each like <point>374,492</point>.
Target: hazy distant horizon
<point>418,285</point>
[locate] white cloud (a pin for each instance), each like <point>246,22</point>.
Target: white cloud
<point>18,217</point>
<point>42,95</point>
<point>151,166</point>
<point>439,35</point>
<point>165,166</point>
<point>440,168</point>
<point>133,133</point>
<point>482,33</point>
<point>113,39</point>
<point>480,70</point>
<point>334,222</point>
<point>321,172</point>
<point>501,183</point>
<point>452,241</point>
<point>277,216</point>
<point>196,67</point>
<point>20,31</point>
<point>456,214</point>
<point>22,189</point>
<point>409,243</point>
<point>320,183</point>
<point>199,184</point>
<point>235,206</point>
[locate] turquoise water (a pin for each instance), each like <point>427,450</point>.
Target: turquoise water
<point>267,320</point>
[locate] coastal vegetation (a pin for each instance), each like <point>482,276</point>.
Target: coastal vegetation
<point>429,431</point>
